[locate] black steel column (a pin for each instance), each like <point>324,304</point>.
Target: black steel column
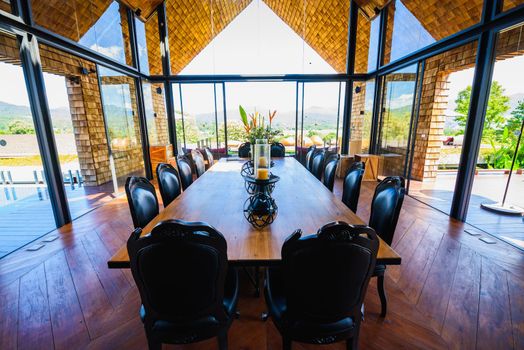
<point>166,71</point>
<point>476,116</point>
<point>350,69</point>
<point>44,129</point>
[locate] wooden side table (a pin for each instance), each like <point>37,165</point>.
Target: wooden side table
<point>371,163</point>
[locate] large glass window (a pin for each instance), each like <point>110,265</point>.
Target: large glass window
<point>258,37</point>
<point>156,115</point>
<point>78,125</point>
<point>442,116</point>
<point>122,124</point>
<point>500,164</point>
<point>148,45</point>
<point>366,55</point>
<point>322,115</point>
<point>99,25</point>
<point>23,186</point>
<point>413,25</point>
<point>361,116</point>
<point>395,121</point>
<point>262,97</point>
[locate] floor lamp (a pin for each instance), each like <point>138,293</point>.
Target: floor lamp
<point>502,207</point>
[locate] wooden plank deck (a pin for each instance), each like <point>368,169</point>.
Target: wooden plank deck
<point>451,291</point>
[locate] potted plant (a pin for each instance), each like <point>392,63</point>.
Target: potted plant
<point>256,127</point>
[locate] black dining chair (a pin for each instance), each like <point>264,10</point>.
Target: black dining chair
<point>142,200</point>
<point>385,211</point>
<point>198,162</point>
<point>351,186</point>
<point>317,166</point>
<point>184,171</point>
<point>277,150</point>
<point>330,172</point>
<point>188,292</point>
<point>316,295</point>
<point>208,157</point>
<point>309,157</point>
<point>244,150</point>
<point>168,182</point>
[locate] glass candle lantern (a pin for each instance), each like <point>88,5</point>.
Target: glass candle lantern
<point>262,159</point>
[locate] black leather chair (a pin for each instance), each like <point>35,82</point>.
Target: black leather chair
<point>385,210</point>
<point>309,156</point>
<point>316,295</point>
<point>351,187</point>
<point>278,150</point>
<point>142,200</point>
<point>188,292</point>
<point>168,182</point>
<point>198,162</point>
<point>244,150</point>
<point>329,172</point>
<point>184,170</point>
<point>317,165</point>
<point>208,157</point>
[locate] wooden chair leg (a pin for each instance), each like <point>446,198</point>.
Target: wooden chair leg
<point>222,341</point>
<point>382,295</point>
<point>286,343</point>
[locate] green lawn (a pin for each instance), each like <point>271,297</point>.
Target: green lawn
<point>34,160</point>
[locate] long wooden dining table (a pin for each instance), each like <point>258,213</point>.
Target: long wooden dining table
<point>218,197</point>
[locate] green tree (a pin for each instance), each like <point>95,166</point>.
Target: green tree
<point>498,105</point>
<point>517,115</point>
<point>20,127</point>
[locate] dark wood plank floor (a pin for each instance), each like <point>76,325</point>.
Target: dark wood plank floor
<point>451,291</point>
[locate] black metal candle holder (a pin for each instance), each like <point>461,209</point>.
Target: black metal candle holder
<point>248,170</point>
<point>260,208</point>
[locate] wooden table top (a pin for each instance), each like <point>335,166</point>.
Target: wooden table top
<point>218,197</point>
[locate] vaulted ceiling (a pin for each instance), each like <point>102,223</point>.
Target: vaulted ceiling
<point>193,24</point>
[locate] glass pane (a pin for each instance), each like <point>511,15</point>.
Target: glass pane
<point>23,188</point>
<point>5,5</point>
<point>147,36</point>
<point>156,115</point>
<point>509,4</point>
<point>412,25</point>
<point>262,97</point>
<point>198,105</point>
<point>498,149</point>
<point>181,143</point>
<point>122,124</point>
<point>98,25</point>
<point>441,123</point>
<point>258,37</point>
<point>361,116</point>
<point>322,114</point>
<point>221,139</point>
<point>366,56</point>
<point>78,124</point>
<point>397,104</point>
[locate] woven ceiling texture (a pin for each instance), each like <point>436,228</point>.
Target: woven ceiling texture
<point>193,24</point>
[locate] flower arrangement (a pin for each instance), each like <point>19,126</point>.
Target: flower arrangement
<point>256,127</point>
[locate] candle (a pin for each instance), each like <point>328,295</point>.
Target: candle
<point>263,174</point>
<point>262,162</point>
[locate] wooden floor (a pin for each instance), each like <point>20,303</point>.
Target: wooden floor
<point>451,291</point>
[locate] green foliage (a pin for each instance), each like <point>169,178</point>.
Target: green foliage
<point>19,127</point>
<point>498,105</point>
